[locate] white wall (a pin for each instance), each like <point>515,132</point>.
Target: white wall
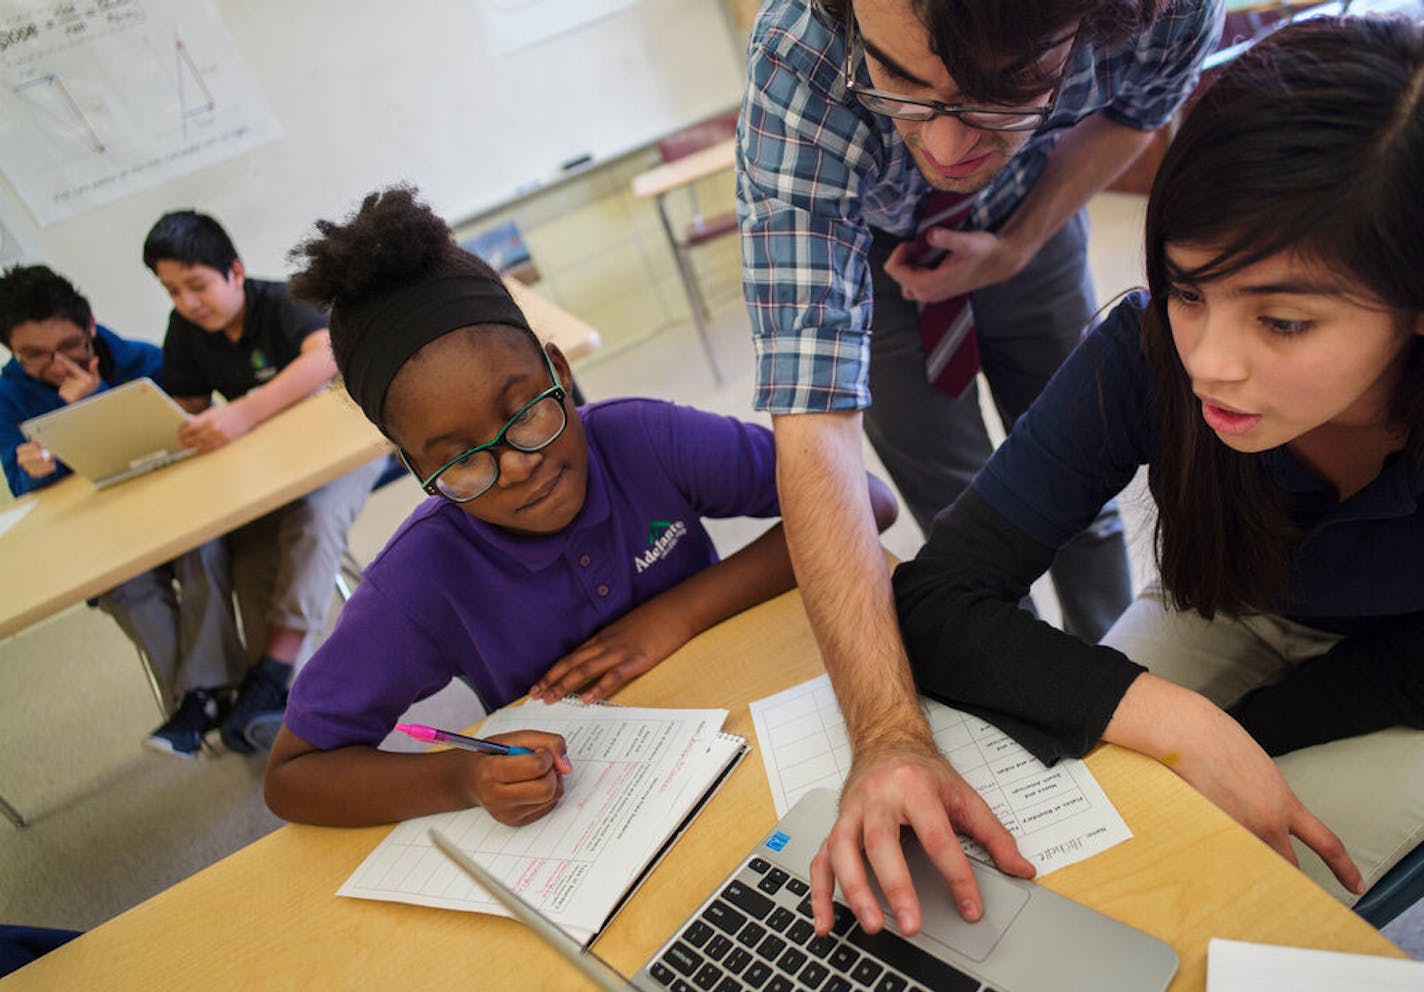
<point>370,93</point>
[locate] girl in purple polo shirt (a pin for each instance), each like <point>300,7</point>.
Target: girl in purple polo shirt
<point>562,549</point>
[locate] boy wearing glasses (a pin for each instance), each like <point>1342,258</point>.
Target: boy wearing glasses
<point>180,614</point>
<point>245,340</point>
<point>911,183</point>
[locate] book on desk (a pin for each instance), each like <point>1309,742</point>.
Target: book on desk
<point>640,777</point>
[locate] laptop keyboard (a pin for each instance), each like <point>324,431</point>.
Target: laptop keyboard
<point>756,934</point>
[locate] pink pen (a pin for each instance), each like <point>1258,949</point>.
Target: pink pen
<point>431,735</point>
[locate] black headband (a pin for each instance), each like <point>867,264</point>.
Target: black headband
<point>386,329</point>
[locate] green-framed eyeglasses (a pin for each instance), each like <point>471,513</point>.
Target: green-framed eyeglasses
<point>535,425</point>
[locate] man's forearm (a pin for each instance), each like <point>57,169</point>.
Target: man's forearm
<point>1085,161</point>
<point>845,584</point>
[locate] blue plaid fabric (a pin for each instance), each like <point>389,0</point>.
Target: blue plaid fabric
<point>816,171</point>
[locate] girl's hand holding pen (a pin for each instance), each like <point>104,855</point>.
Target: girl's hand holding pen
<point>518,788</point>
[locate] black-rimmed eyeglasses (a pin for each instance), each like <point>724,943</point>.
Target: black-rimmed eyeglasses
<point>534,426</point>
<point>909,109</point>
<point>77,348</point>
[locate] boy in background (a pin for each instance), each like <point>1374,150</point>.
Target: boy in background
<point>180,614</point>
<point>245,340</point>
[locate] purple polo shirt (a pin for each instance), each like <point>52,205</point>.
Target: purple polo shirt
<point>450,595</point>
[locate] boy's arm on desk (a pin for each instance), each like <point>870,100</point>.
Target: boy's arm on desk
<point>219,425</point>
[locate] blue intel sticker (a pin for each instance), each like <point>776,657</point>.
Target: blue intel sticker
<point>777,841</point>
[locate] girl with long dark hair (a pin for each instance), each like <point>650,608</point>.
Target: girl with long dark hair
<point>1273,384</point>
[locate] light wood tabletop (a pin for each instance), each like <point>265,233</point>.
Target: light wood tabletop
<point>268,916</point>
<point>576,337</point>
<point>78,541</point>
<point>688,169</point>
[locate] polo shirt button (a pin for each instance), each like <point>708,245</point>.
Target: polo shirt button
<point>584,560</point>
<point>602,590</point>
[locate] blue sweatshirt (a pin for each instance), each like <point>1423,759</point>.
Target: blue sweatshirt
<point>22,396</point>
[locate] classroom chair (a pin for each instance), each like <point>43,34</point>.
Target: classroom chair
<point>146,663</point>
<point>1401,887</point>
<point>680,171</point>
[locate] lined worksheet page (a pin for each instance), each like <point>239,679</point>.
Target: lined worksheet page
<point>1059,815</point>
<point>636,773</point>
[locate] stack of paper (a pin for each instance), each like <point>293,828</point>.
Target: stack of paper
<point>1234,966</point>
<point>639,776</point>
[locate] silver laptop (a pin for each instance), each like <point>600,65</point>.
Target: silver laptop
<point>754,932</point>
<point>113,435</point>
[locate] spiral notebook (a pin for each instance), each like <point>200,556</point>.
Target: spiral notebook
<point>640,776</point>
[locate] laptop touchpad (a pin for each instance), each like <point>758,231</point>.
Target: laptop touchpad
<point>1003,899</point>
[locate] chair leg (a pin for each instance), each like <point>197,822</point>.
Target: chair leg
<point>348,574</point>
<point>153,685</point>
<point>12,814</point>
<point>694,295</point>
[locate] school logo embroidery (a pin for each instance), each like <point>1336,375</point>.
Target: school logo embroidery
<point>663,536</point>
<point>261,371</point>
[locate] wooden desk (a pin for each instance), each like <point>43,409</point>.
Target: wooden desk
<point>91,540</point>
<point>268,917</point>
<point>575,336</point>
<point>657,183</point>
<point>688,169</point>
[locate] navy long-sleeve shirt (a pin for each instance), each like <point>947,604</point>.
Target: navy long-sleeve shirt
<point>1359,571</point>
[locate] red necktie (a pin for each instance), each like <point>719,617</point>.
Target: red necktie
<point>946,327</point>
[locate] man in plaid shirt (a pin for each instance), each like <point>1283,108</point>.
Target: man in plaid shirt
<point>859,116</point>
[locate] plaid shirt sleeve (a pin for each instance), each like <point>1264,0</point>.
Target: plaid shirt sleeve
<point>803,156</point>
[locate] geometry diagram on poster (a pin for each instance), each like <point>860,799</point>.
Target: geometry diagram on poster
<point>102,98</point>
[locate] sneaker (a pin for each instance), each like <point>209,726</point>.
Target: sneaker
<point>262,694</point>
<point>182,735</point>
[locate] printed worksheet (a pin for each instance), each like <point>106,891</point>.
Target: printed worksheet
<point>637,772</point>
<point>1059,815</point>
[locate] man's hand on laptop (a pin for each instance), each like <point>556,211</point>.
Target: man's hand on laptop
<point>889,788</point>
<point>216,426</point>
<point>79,380</point>
<point>35,459</point>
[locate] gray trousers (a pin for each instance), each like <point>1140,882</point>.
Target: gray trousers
<point>181,616</point>
<point>284,564</point>
<point>1368,789</point>
<point>933,445</point>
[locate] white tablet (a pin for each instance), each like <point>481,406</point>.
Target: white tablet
<point>113,435</point>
